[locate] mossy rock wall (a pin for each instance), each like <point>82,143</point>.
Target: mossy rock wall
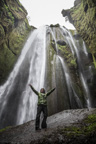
<point>14,29</point>
<point>83,17</point>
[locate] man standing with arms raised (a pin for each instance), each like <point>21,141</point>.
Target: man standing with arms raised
<point>42,107</point>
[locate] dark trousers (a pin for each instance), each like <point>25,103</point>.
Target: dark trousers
<point>41,108</point>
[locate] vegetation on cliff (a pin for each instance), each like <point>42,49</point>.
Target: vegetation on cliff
<point>14,29</point>
<point>83,17</point>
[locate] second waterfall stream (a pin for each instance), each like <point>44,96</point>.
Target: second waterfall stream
<point>51,57</point>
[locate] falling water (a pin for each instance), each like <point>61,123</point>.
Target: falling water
<point>70,87</point>
<point>36,78</point>
<point>16,97</point>
<point>75,48</point>
<point>85,50</point>
<point>74,99</point>
<point>6,88</point>
<point>54,39</point>
<point>65,33</point>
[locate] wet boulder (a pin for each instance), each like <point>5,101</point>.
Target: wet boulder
<point>61,42</point>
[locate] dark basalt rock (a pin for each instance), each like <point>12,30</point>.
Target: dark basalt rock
<point>61,42</point>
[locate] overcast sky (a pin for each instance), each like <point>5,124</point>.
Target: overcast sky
<point>46,12</point>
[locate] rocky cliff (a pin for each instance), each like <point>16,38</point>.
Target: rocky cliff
<point>83,17</point>
<point>14,29</point>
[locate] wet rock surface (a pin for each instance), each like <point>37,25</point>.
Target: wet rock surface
<point>56,132</point>
<point>61,42</point>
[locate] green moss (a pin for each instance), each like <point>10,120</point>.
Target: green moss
<point>16,39</point>
<point>4,129</point>
<point>21,9</point>
<point>2,33</point>
<point>91,123</point>
<point>61,47</point>
<point>7,59</point>
<point>6,7</point>
<point>51,50</point>
<point>68,56</point>
<point>10,15</point>
<point>12,35</point>
<point>91,119</point>
<point>94,61</point>
<point>72,130</point>
<point>73,62</point>
<point>87,127</point>
<point>85,23</point>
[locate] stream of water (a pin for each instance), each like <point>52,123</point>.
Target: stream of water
<point>16,97</point>
<point>75,46</point>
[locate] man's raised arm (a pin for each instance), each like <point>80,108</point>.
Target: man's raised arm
<point>33,89</point>
<point>48,93</point>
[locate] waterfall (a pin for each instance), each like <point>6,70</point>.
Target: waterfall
<point>37,69</point>
<point>85,50</point>
<point>54,39</point>
<point>16,97</point>
<point>70,87</point>
<point>41,64</point>
<point>75,46</point>
<point>74,100</point>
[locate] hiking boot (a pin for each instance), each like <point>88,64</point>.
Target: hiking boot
<point>38,129</point>
<point>45,129</point>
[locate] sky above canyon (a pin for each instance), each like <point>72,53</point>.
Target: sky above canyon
<point>46,12</point>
